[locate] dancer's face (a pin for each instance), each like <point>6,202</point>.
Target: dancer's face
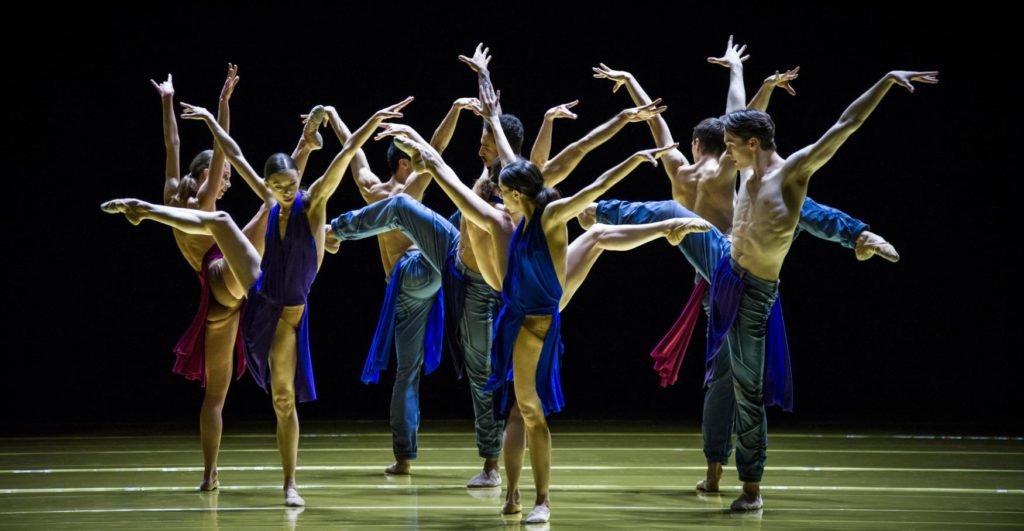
<point>742,152</point>
<point>513,199</point>
<point>488,150</point>
<point>225,181</point>
<point>284,185</point>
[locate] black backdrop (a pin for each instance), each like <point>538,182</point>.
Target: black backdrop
<point>94,304</point>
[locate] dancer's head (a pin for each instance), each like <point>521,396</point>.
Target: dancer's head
<point>522,187</point>
<point>399,163</point>
<point>198,172</point>
<point>513,129</point>
<point>282,178</point>
<point>708,138</point>
<point>747,133</point>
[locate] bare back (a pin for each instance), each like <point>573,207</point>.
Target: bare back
<point>483,252</point>
<point>393,244</point>
<point>709,190</point>
<point>558,247</point>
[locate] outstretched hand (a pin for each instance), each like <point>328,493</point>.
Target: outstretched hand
<point>619,77</point>
<point>652,155</point>
<point>733,55</point>
<point>905,78</point>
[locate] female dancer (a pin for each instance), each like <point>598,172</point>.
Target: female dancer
<point>275,324</point>
<point>527,343</point>
<point>204,351</point>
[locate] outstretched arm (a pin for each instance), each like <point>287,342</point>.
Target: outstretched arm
<point>172,146</point>
<point>733,60</point>
<point>417,181</point>
<point>444,132</point>
<point>562,210</point>
<point>760,101</point>
<point>542,145</point>
<point>475,209</point>
<point>659,127</point>
<point>361,172</point>
<point>322,189</point>
<point>206,197</point>
<point>231,150</point>
<point>802,164</point>
<point>558,168</point>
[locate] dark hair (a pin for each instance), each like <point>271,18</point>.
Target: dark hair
<point>395,155</point>
<point>749,124</point>
<point>513,129</point>
<point>277,163</point>
<point>525,177</point>
<point>486,187</point>
<point>188,186</point>
<point>711,133</point>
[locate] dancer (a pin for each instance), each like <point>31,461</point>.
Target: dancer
<point>275,323</point>
<point>743,273</point>
<point>532,291</point>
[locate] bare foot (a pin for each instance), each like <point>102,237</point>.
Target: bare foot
<point>331,242</point>
<point>870,244</point>
<point>680,227</point>
<point>131,208</point>
<point>588,217</point>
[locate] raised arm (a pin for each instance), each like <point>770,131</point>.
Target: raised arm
<point>659,127</point>
<point>172,145</point>
<point>475,209</point>
<point>361,172</point>
<point>479,63</point>
<point>443,133</point>
<point>733,60</point>
<point>764,94</point>
<point>417,181</point>
<point>490,108</point>
<point>231,150</point>
<point>207,194</point>
<point>322,189</point>
<point>561,211</point>
<point>558,168</point>
<point>542,146</point>
<point>802,164</point>
<point>223,107</point>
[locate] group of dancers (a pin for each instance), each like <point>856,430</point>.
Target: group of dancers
<point>492,279</point>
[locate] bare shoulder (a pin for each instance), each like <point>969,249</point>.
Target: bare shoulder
<point>377,192</point>
<point>692,173</point>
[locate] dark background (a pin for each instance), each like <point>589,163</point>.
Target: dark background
<point>931,343</point>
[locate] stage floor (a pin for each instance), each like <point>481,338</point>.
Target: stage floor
<point>605,475</point>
